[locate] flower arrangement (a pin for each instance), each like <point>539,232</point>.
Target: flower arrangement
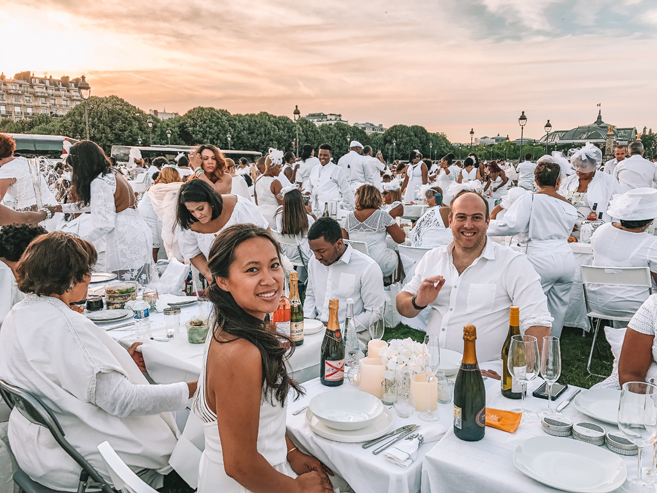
<point>402,353</point>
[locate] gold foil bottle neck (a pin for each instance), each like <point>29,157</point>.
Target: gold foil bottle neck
<point>469,333</point>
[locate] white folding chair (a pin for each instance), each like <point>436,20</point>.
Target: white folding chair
<point>123,477</point>
<point>610,276</point>
<point>361,246</point>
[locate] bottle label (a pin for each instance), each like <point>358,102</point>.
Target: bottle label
<point>470,366</point>
<point>283,328</point>
<point>139,314</point>
<point>516,386</point>
<point>334,370</point>
<point>296,331</point>
<point>481,417</point>
<point>457,417</point>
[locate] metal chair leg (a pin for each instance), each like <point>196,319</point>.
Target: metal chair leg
<point>595,336</point>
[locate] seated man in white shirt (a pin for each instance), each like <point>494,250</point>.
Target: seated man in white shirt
<point>475,281</point>
<point>339,271</point>
<point>635,171</point>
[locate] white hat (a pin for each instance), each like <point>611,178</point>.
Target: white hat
<point>355,143</point>
<point>634,205</point>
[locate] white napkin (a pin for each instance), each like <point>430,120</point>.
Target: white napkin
<point>404,453</point>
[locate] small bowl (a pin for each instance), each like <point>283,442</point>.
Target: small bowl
<point>346,410</point>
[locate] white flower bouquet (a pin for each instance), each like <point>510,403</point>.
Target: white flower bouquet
<point>403,353</point>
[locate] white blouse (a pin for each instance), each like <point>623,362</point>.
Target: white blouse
<point>23,188</point>
<point>644,321</point>
<point>430,230</point>
<point>373,232</point>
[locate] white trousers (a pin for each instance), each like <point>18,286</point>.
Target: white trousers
<point>557,271</point>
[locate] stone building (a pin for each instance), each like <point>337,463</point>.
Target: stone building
<point>325,118</point>
<point>370,128</point>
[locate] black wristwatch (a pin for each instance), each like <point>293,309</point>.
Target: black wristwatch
<point>415,305</point>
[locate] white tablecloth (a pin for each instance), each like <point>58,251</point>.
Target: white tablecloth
<point>576,313</point>
<point>414,212</point>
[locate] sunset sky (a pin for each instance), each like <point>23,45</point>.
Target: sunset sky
<point>449,65</point>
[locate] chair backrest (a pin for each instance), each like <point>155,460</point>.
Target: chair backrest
<point>410,257</point>
<point>613,276</point>
<point>35,411</point>
<point>361,246</point>
<point>123,477</point>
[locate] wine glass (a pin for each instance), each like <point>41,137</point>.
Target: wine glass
<point>377,326</point>
<point>523,363</point>
<point>432,344</point>
<point>637,418</point>
<point>550,366</point>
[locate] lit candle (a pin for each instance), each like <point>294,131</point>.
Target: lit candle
<point>374,346</point>
<point>424,394</point>
<point>371,376</point>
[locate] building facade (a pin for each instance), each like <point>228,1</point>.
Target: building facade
<point>325,118</point>
<point>162,115</point>
<point>27,96</point>
<point>370,128</point>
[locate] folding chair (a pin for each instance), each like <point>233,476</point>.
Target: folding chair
<point>361,246</point>
<point>35,411</point>
<point>610,276</point>
<point>123,477</point>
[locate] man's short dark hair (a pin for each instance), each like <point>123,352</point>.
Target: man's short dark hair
<point>636,224</point>
<point>14,239</point>
<point>621,146</point>
<point>528,157</point>
<point>327,228</point>
<point>243,160</point>
<point>326,147</point>
<point>547,174</point>
<point>367,150</point>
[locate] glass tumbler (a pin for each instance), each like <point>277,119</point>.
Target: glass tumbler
<point>171,321</point>
<point>402,404</point>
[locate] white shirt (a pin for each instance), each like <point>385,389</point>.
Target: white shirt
<point>376,167</point>
<point>303,173</point>
<point>355,276</point>
<point>610,166</point>
<point>635,172</point>
<point>526,175</point>
<point>329,182</point>
<point>355,168</point>
<point>9,292</point>
<point>481,296</point>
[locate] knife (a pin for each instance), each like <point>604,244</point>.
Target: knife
<point>120,326</point>
<point>389,435</point>
<point>395,440</point>
<point>563,405</point>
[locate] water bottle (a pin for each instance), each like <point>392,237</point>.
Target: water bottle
<point>351,341</point>
<point>142,320</point>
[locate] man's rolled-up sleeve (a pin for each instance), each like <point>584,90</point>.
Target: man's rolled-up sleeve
<point>523,285</point>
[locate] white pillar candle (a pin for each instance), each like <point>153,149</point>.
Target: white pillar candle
<point>371,376</point>
<point>424,394</point>
<point>374,346</point>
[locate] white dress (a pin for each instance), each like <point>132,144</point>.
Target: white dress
<point>467,176</point>
<point>444,180</point>
<point>192,243</point>
<point>414,174</point>
<point>267,203</point>
<point>23,189</point>
<point>373,232</point>
<point>389,207</point>
<point>430,231</point>
<point>271,442</point>
<point>147,212</point>
<point>128,239</point>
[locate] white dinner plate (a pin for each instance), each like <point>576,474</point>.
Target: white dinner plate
<point>106,325</point>
<point>450,362</point>
<point>102,276</point>
<point>381,426</point>
<point>108,315</point>
<point>600,404</point>
<point>312,326</point>
<point>570,465</point>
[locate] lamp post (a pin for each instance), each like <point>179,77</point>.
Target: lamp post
<point>150,130</point>
<point>471,138</point>
<point>84,87</point>
<point>506,149</point>
<point>139,141</point>
<point>522,121</point>
<point>228,137</point>
<point>169,135</point>
<point>431,151</point>
<point>394,149</point>
<point>297,115</point>
<point>547,128</point>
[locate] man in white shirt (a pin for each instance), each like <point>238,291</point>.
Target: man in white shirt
<point>376,166</point>
<point>329,182</point>
<point>635,171</point>
<point>339,271</point>
<point>619,154</point>
<point>475,281</point>
<point>526,173</point>
<point>354,166</point>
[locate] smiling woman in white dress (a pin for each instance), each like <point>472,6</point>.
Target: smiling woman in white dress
<point>417,174</point>
<point>245,385</point>
<point>202,214</point>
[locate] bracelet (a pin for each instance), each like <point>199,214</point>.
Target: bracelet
<point>291,450</point>
<point>48,213</point>
<point>415,305</point>
<point>198,172</point>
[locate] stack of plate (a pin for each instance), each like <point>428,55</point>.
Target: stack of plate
<point>102,277</point>
<point>311,326</point>
<point>106,316</point>
<point>450,362</point>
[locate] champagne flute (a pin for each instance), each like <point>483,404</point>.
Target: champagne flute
<point>637,418</point>
<point>550,366</point>
<point>377,327</point>
<point>523,363</point>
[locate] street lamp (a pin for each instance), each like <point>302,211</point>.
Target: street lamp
<point>394,149</point>
<point>169,135</point>
<point>431,151</point>
<point>297,115</point>
<point>506,149</point>
<point>150,129</point>
<point>228,137</point>
<point>471,138</point>
<point>522,121</point>
<point>84,87</point>
<point>139,141</point>
<point>547,128</point>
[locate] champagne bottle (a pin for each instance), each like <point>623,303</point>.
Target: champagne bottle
<point>511,388</point>
<point>281,317</point>
<point>296,311</point>
<point>469,392</point>
<point>351,336</point>
<point>326,211</point>
<point>331,364</point>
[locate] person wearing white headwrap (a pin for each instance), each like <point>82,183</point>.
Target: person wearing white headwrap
<point>417,174</point>
<point>354,166</point>
<point>625,243</point>
<point>392,199</point>
<point>543,222</point>
<point>588,187</point>
<point>432,229</point>
<point>635,171</point>
<point>268,186</point>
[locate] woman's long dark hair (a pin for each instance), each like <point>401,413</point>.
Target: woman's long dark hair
<point>196,191</point>
<point>295,218</point>
<point>307,152</point>
<point>88,161</point>
<point>233,320</point>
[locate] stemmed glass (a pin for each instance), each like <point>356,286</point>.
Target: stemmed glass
<point>637,418</point>
<point>377,325</point>
<point>550,366</point>
<point>432,344</point>
<point>523,364</point>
